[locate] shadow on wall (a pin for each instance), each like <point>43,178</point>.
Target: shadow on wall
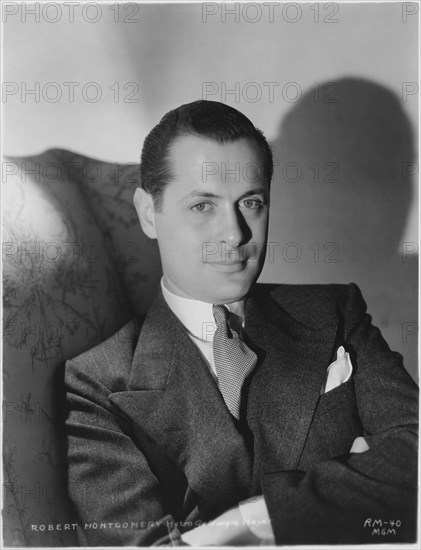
<point>342,189</point>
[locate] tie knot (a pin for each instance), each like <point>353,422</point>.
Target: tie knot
<point>221,315</point>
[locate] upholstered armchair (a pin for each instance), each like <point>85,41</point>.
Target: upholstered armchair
<point>76,267</point>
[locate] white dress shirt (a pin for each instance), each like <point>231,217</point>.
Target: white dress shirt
<point>198,320</point>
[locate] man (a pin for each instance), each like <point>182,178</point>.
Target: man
<point>236,413</point>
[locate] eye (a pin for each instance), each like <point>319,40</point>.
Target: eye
<point>252,204</point>
<point>201,207</point>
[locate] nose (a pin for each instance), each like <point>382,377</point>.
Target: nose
<point>234,230</point>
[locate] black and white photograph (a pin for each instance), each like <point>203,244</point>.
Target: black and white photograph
<point>210,242</point>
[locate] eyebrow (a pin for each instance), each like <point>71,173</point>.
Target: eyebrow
<point>206,195</point>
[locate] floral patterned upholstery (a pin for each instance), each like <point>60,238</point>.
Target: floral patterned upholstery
<point>76,266</point>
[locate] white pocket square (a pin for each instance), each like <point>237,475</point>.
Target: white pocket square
<point>338,372</point>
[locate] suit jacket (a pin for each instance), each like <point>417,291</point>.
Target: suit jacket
<point>152,446</point>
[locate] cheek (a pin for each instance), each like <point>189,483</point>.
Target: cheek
<point>170,232</point>
<point>259,228</point>
<point>181,245</point>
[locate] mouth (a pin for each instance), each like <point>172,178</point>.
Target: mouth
<point>229,266</point>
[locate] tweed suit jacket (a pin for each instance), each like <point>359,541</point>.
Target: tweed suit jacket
<point>153,450</point>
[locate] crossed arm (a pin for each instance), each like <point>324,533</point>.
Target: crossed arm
<point>247,524</point>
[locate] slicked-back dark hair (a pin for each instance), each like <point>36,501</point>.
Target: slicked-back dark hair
<point>205,119</point>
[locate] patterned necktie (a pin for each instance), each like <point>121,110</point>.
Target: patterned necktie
<point>233,360</point>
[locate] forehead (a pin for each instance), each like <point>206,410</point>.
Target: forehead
<point>192,156</point>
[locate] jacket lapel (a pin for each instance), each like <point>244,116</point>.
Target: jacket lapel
<point>174,399</point>
<point>285,388</point>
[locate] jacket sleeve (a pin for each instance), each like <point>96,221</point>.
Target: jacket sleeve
<point>366,497</point>
<point>115,493</point>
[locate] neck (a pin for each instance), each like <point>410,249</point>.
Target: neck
<point>236,307</point>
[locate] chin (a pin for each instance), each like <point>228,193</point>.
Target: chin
<point>231,293</point>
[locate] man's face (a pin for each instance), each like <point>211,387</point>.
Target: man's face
<point>212,226</point>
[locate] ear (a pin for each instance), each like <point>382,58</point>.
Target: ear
<point>145,209</point>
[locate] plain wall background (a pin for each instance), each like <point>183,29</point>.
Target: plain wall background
<point>361,217</point>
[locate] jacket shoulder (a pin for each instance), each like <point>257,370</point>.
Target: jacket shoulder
<point>108,362</point>
<point>314,304</point>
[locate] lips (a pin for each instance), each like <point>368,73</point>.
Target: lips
<point>228,263</point>
<point>230,267</point>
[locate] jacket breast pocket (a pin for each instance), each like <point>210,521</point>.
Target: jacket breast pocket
<point>334,427</point>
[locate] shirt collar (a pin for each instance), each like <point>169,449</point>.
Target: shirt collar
<point>197,316</point>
